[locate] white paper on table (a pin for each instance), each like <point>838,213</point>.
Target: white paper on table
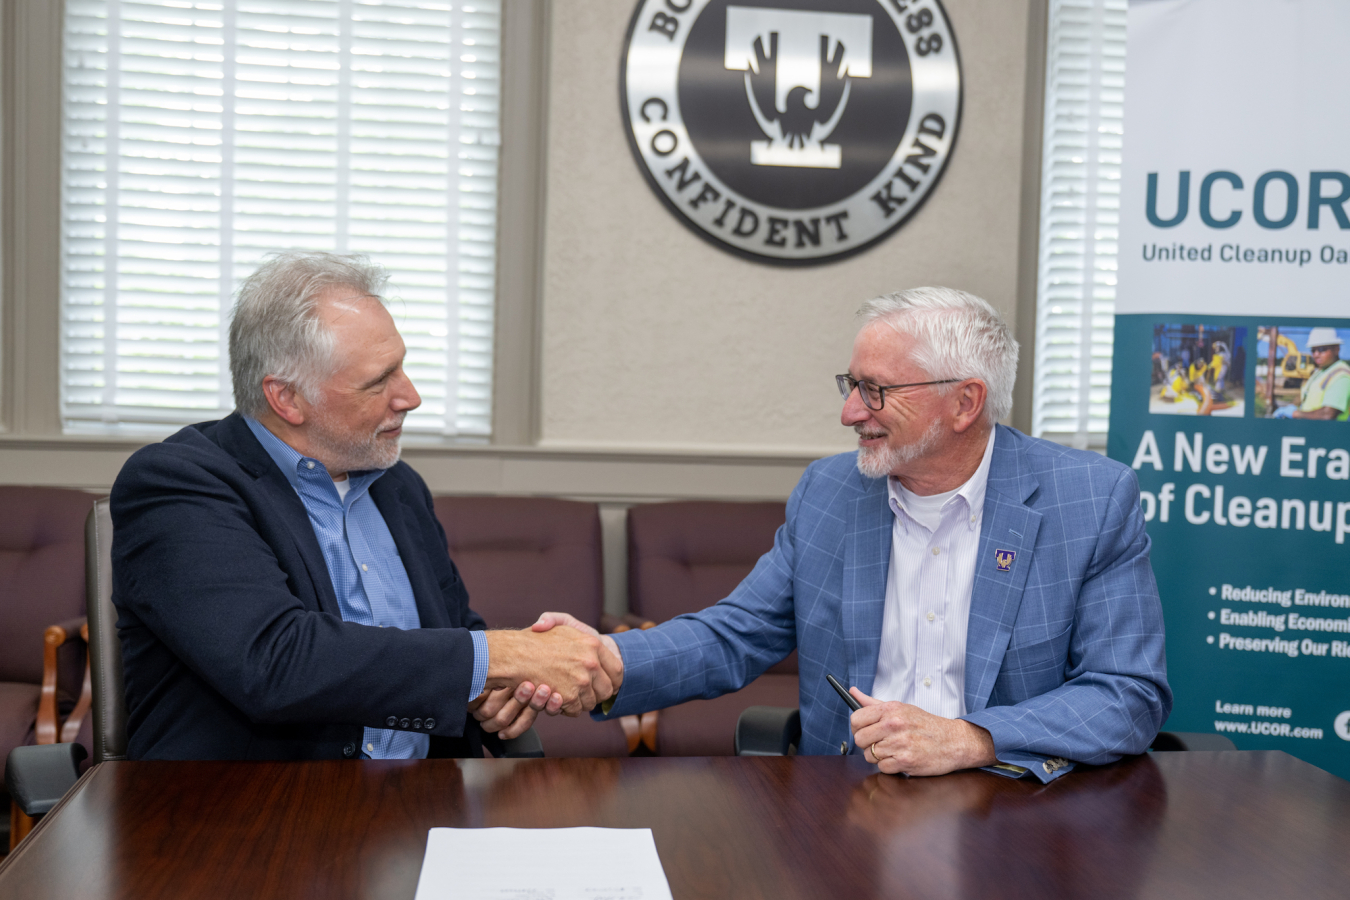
<point>542,864</point>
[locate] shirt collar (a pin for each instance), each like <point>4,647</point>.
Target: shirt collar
<point>972,492</point>
<point>296,466</point>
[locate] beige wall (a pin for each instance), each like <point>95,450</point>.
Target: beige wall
<point>635,361</point>
<point>653,338</point>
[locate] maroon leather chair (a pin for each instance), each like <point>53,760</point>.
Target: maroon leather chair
<point>683,557</point>
<point>522,556</point>
<point>41,585</point>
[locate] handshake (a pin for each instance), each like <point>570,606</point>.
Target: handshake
<point>558,665</point>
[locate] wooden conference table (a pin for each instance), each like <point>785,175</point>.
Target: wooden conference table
<point>1173,825</point>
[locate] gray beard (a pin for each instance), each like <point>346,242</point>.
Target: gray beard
<point>882,461</point>
<point>345,456</point>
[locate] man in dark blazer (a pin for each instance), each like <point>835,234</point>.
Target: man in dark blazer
<point>283,585</point>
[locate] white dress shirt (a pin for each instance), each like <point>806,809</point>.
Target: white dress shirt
<point>934,540</point>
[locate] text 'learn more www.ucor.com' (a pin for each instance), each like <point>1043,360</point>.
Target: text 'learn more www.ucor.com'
<point>1273,729</point>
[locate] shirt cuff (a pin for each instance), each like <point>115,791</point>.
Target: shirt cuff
<point>480,664</point>
<point>1023,764</point>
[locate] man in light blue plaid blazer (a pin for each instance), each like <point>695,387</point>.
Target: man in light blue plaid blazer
<point>1063,657</point>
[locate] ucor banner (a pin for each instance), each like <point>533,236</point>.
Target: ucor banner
<point>1229,383</point>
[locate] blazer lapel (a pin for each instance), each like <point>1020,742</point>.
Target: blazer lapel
<point>397,513</point>
<point>283,502</point>
<point>1007,542</point>
<point>867,558</point>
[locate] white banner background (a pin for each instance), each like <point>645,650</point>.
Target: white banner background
<point>1249,87</point>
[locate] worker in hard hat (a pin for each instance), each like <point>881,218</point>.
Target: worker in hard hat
<point>1219,365</point>
<point>1198,368</point>
<point>1326,392</point>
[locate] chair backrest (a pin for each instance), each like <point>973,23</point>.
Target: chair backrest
<point>687,555</point>
<point>40,549</point>
<point>521,556</point>
<point>105,649</point>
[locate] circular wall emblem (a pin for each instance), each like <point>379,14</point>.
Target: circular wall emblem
<point>792,131</point>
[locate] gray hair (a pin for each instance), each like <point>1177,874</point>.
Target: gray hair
<point>957,336</point>
<point>275,328</point>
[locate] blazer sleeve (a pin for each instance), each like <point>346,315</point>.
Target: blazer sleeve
<point>1115,696</point>
<point>722,648</point>
<point>192,565</point>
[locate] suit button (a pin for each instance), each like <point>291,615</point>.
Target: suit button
<point>391,721</point>
<point>843,748</point>
<point>430,723</point>
<point>349,750</point>
<point>404,722</point>
<point>417,723</point>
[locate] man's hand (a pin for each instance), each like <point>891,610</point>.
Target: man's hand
<point>904,739</point>
<point>513,712</point>
<point>578,666</point>
<point>551,620</point>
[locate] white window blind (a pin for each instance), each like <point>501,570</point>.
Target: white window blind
<point>1080,220</point>
<point>200,136</point>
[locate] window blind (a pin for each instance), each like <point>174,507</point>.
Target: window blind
<point>200,136</point>
<point>1080,220</point>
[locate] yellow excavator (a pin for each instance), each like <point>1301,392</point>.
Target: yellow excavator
<point>1295,366</point>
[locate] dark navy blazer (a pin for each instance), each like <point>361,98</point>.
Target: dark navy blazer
<point>232,641</point>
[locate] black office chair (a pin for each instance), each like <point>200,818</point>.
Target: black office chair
<point>105,650</point>
<point>768,731</point>
<point>777,731</point>
<point>39,776</point>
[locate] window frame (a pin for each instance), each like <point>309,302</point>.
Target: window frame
<point>30,211</point>
<point>1096,272</point>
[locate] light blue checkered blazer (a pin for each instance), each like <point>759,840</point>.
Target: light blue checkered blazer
<point>1064,652</point>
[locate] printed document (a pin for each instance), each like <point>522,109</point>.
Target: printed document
<point>542,864</point>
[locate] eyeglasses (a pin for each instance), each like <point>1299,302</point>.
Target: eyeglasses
<point>874,395</point>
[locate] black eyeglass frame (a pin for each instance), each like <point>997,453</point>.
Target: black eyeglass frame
<point>847,384</point>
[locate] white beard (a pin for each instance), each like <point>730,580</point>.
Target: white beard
<point>346,453</point>
<point>878,462</point>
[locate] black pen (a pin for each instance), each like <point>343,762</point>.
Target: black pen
<point>848,698</point>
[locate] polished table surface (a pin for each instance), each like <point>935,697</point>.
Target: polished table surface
<point>1173,825</point>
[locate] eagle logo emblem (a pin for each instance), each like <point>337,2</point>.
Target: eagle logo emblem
<point>791,131</point>
<point>799,68</point>
<point>1003,559</point>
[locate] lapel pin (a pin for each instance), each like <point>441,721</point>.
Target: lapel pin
<point>1003,559</point>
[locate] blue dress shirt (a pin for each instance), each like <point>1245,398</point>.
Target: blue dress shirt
<point>371,584</point>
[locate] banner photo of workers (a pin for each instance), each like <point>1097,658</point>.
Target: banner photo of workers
<point>1301,373</point>
<point>1198,370</point>
<point>1234,272</point>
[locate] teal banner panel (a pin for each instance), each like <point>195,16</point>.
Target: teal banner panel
<point>1249,513</point>
<point>1230,382</point>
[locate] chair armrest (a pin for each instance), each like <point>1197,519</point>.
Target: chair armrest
<point>55,636</point>
<point>1190,740</point>
<point>611,624</point>
<point>527,746</point>
<point>37,777</point>
<point>768,731</point>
